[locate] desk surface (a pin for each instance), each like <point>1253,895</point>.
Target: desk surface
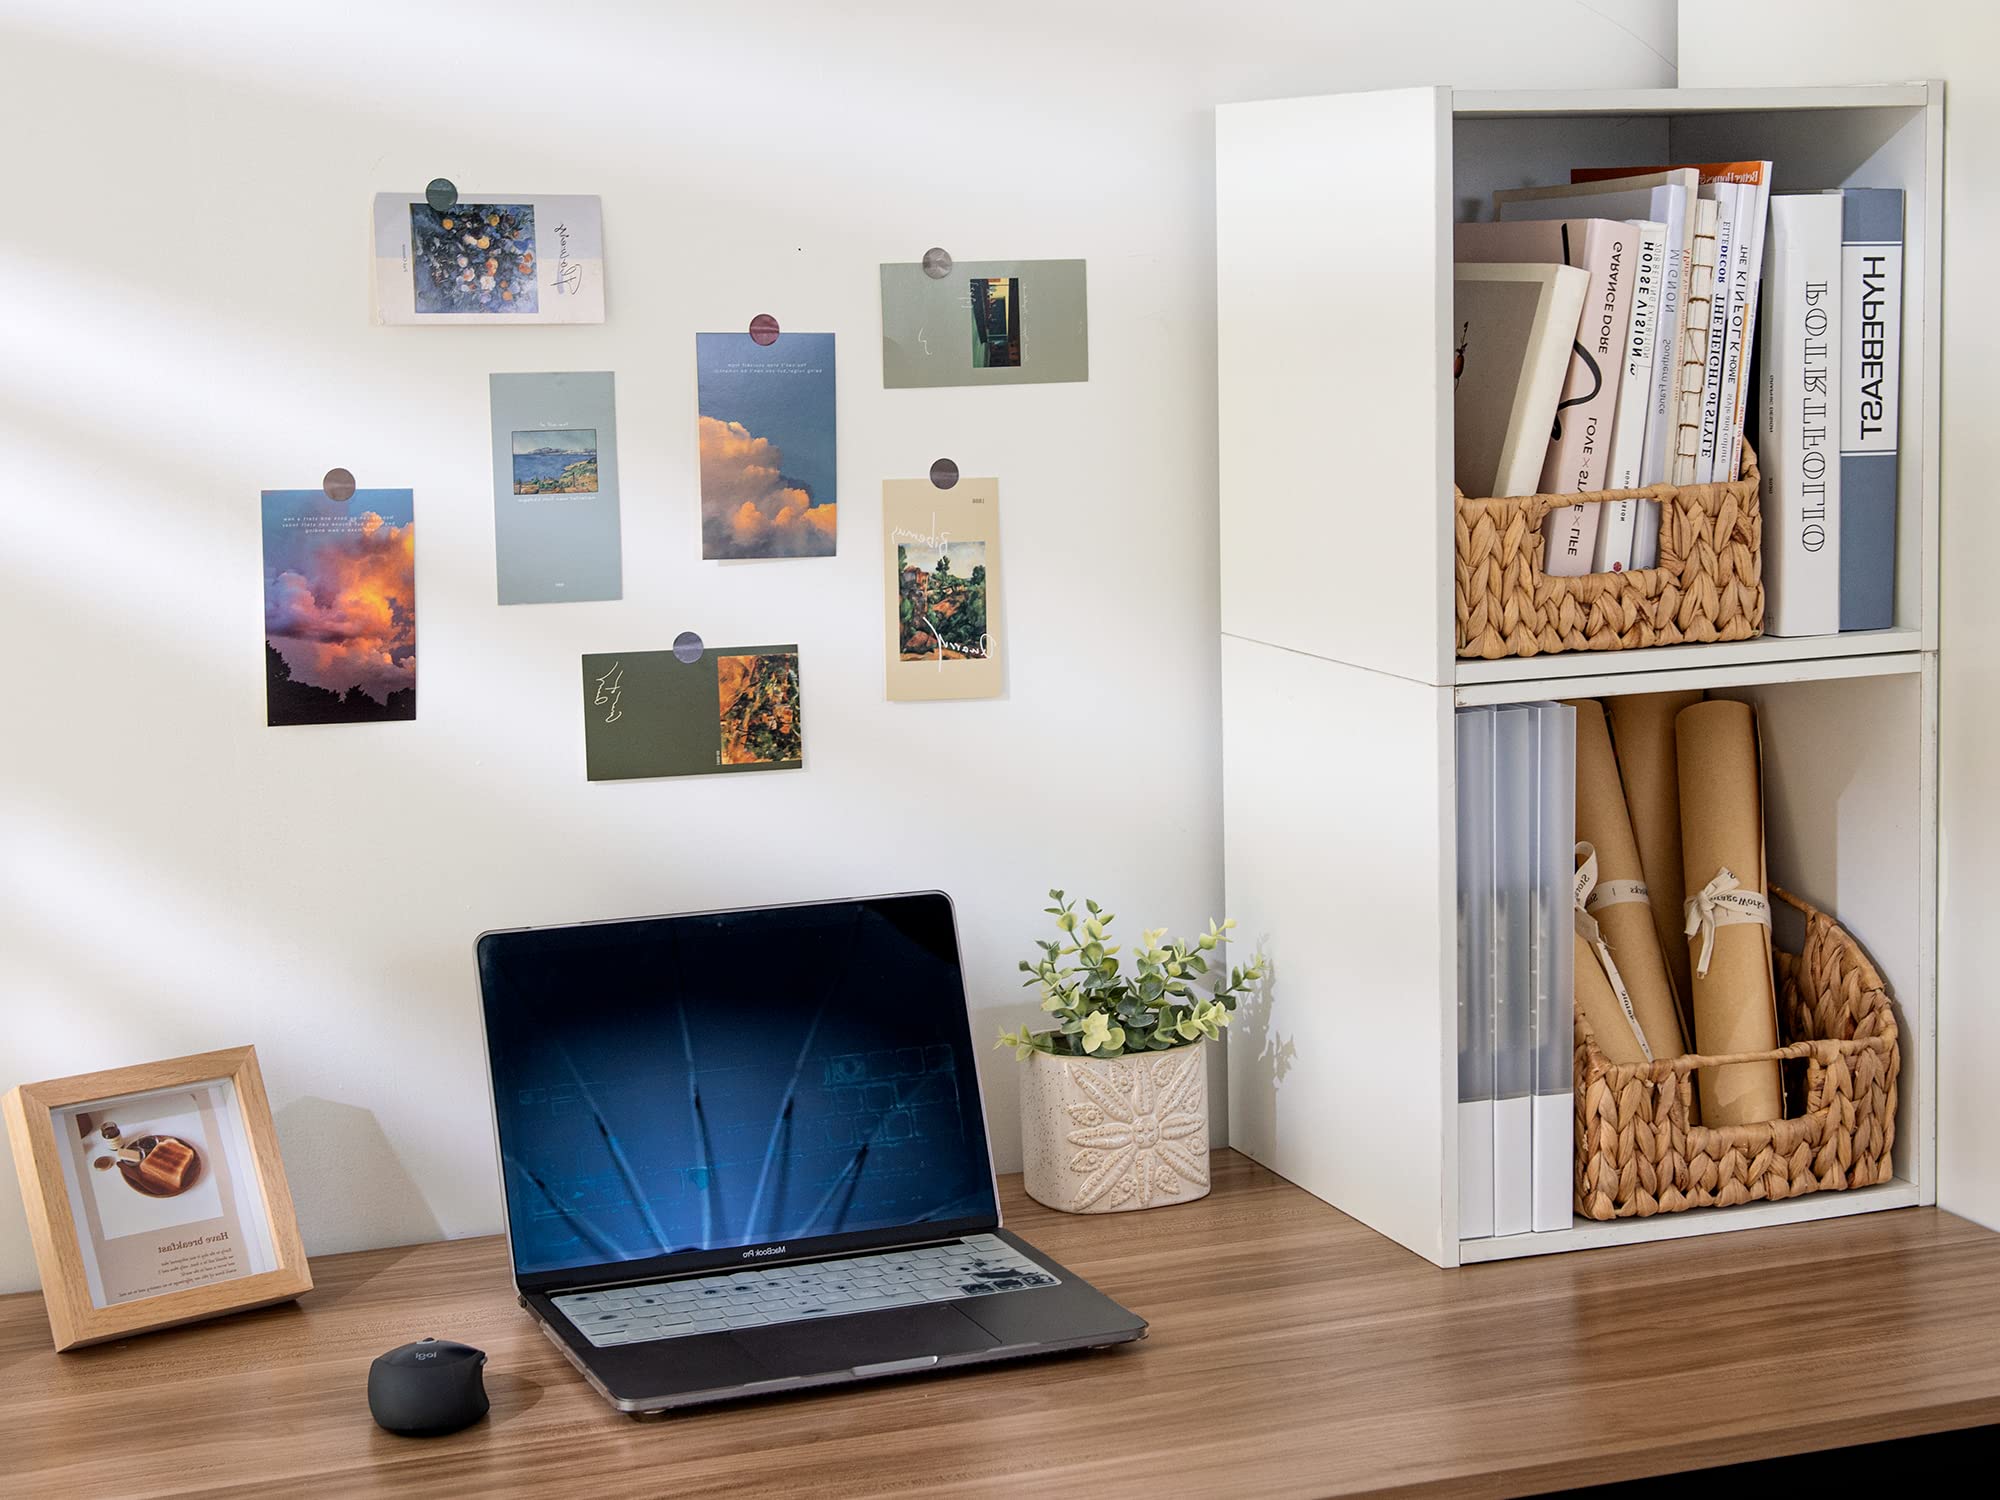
<point>1293,1352</point>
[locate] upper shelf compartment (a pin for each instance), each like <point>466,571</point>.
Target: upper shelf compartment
<point>1334,297</point>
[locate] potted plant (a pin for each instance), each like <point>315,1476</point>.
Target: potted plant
<point>1114,1098</point>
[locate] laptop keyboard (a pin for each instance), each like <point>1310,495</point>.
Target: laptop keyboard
<point>977,1266</point>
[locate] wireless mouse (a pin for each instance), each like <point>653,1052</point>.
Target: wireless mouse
<point>428,1388</point>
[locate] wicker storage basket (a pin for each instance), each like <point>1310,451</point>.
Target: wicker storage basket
<point>1709,585</point>
<point>1637,1154</point>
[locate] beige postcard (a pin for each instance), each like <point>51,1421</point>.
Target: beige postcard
<point>942,589</point>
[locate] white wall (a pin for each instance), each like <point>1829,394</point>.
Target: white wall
<point>1858,41</point>
<point>183,235</point>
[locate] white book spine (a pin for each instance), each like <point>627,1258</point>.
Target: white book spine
<point>1697,300</point>
<point>1618,529</point>
<point>1670,208</point>
<point>1757,203</point>
<point>1718,329</point>
<point>1800,453</point>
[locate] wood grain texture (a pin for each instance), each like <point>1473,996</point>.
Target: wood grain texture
<point>1293,1352</point>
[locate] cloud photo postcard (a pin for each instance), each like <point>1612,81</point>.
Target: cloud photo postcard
<point>494,258</point>
<point>766,436</point>
<point>340,607</point>
<point>555,488</point>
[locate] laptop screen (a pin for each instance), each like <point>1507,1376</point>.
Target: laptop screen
<point>695,1087</point>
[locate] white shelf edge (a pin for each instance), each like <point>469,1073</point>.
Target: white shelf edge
<point>1584,1234</point>
<point>1488,103</point>
<point>1770,648</point>
<point>1726,675</point>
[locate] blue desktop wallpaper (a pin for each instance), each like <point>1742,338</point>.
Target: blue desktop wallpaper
<point>700,1083</point>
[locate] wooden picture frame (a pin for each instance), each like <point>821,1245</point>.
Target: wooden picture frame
<point>114,1258</point>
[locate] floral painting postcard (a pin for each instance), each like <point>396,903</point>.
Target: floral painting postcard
<point>555,488</point>
<point>730,709</point>
<point>340,607</point>
<point>942,561</point>
<point>989,322</point>
<point>766,433</point>
<point>493,258</point>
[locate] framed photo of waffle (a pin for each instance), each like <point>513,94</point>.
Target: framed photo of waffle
<point>155,1195</point>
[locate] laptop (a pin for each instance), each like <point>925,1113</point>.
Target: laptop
<point>744,1153</point>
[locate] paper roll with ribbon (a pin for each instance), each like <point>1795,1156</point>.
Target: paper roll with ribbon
<point>1642,728</point>
<point>1726,919</point>
<point>1621,902</point>
<point>1601,991</point>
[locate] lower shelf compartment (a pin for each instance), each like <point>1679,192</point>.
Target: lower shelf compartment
<point>1588,1234</point>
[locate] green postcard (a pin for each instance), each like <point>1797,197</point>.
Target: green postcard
<point>733,708</point>
<point>988,322</point>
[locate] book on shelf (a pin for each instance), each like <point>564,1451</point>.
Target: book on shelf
<point>1871,358</point>
<point>1553,1131</point>
<point>1618,528</point>
<point>1660,196</point>
<point>1799,439</point>
<point>1578,457</point>
<point>1514,781</point>
<point>1691,361</point>
<point>1513,328</point>
<point>1474,728</point>
<point>1742,189</point>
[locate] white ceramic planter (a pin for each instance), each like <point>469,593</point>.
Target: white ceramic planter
<point>1101,1136</point>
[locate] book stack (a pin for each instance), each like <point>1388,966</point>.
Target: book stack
<point>1516,833</point>
<point>1604,339</point>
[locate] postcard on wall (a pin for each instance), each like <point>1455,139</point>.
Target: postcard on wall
<point>164,1192</point>
<point>731,709</point>
<point>340,607</point>
<point>766,430</point>
<point>943,590</point>
<point>555,488</point>
<point>991,322</point>
<point>494,258</point>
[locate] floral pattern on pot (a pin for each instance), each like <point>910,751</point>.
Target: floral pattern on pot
<point>1118,1134</point>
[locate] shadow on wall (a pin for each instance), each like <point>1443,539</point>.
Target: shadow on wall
<point>350,1189</point>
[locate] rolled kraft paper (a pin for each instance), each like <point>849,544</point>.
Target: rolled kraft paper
<point>1598,1003</point>
<point>1642,729</point>
<point>1722,826</point>
<point>1627,925</point>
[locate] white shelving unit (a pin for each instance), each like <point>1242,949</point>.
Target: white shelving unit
<point>1339,675</point>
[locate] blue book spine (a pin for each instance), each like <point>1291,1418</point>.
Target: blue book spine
<point>1871,341</point>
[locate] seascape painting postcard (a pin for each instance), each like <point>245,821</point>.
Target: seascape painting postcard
<point>555,488</point>
<point>989,322</point>
<point>732,709</point>
<point>942,592</point>
<point>493,258</point>
<point>766,436</point>
<point>340,607</point>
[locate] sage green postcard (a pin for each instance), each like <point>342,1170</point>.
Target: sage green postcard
<point>733,708</point>
<point>986,322</point>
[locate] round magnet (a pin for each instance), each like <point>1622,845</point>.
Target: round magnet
<point>944,473</point>
<point>764,329</point>
<point>687,646</point>
<point>441,194</point>
<point>937,264</point>
<point>338,484</point>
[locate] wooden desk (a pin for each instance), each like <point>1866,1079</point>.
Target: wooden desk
<point>1293,1352</point>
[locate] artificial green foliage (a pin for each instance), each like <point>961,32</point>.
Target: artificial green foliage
<point>1174,997</point>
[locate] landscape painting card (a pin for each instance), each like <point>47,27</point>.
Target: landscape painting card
<point>493,258</point>
<point>340,607</point>
<point>731,709</point>
<point>766,430</point>
<point>555,488</point>
<point>989,322</point>
<point>943,558</point>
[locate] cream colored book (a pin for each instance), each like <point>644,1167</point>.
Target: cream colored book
<point>1699,302</point>
<point>1512,331</point>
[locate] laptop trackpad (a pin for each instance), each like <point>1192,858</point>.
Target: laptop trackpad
<point>865,1339</point>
